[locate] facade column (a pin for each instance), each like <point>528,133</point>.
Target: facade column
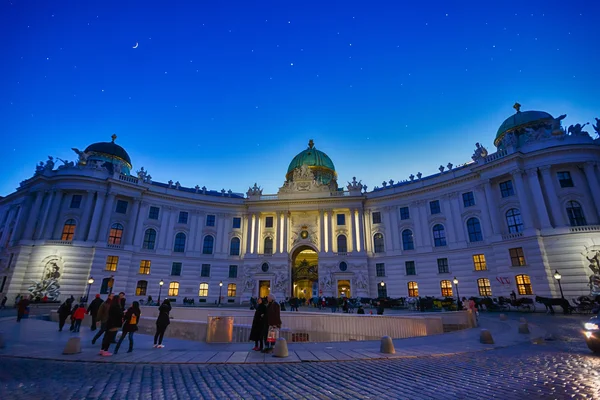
<point>367,218</point>
<point>522,195</point>
<point>557,215</point>
<point>82,230</point>
<point>106,217</point>
<point>222,232</point>
<point>492,208</point>
<point>132,225</point>
<point>33,216</point>
<point>321,231</point>
<point>247,218</point>
<point>51,227</point>
<point>361,230</point>
<point>277,237</point>
<point>41,228</point>
<point>396,241</point>
<point>486,220</point>
<point>451,219</point>
<point>592,179</point>
<point>97,216</point>
<point>389,236</point>
<point>353,228</point>
<point>458,222</point>
<point>331,231</point>
<point>139,226</point>
<point>7,230</point>
<point>286,230</point>
<point>164,227</point>
<point>169,235</point>
<point>256,232</point>
<point>426,235</point>
<point>538,198</point>
<point>415,216</point>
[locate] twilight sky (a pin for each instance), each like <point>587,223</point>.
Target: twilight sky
<point>225,93</point>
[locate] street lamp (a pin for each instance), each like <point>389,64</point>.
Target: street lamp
<point>458,304</point>
<point>382,284</point>
<point>90,281</point>
<point>160,285</point>
<point>220,288</point>
<point>558,277</point>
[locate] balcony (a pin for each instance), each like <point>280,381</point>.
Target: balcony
<point>130,179</point>
<point>114,246</point>
<point>60,242</point>
<point>587,228</point>
<point>512,236</point>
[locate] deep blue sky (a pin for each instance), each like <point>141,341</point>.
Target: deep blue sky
<point>225,93</point>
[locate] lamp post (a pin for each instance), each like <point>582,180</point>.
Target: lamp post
<point>90,281</point>
<point>220,288</point>
<point>458,304</point>
<point>382,284</point>
<point>558,277</point>
<point>160,285</point>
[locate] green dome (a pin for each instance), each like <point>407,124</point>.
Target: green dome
<point>318,162</point>
<point>521,120</point>
<point>109,149</point>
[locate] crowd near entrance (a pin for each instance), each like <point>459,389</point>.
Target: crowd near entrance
<point>305,275</point>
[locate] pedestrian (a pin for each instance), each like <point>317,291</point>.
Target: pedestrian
<point>379,308</point>
<point>273,323</point>
<point>473,308</point>
<point>122,300</point>
<point>360,310</point>
<point>465,304</point>
<point>256,333</point>
<point>131,320</point>
<point>114,322</point>
<point>92,310</point>
<point>17,299</point>
<point>162,322</point>
<point>22,307</point>
<point>3,304</point>
<point>102,317</point>
<point>78,316</point>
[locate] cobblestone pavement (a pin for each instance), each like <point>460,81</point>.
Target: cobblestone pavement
<point>562,368</point>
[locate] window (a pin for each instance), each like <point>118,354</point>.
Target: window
<point>381,290</point>
<point>183,217</point>
<point>514,221</point>
<point>341,219</point>
<point>140,288</point>
<point>380,269</point>
<point>153,213</point>
<point>231,290</point>
<point>506,189</point>
<point>343,266</point>
<point>439,235</point>
<point>144,267</point>
<point>485,289</point>
<point>179,246</point>
<point>68,230</point>
<point>523,284</point>
<point>207,246</point>
<point>342,244</point>
<point>575,213</point>
<point>376,217</point>
<point>237,223</point>
<point>233,271</point>
<point>121,207</point>
<point>203,290</point>
<point>564,178</point>
<point>234,246</point>
<point>410,268</point>
<point>404,213</point>
<point>474,229</point>
<point>111,263</point>
<point>407,240</point>
<point>517,258</point>
<point>268,222</point>
<point>479,262</point>
<point>268,245</point>
<point>176,269</point>
<point>149,239</point>
<point>205,271</point>
<point>468,199</point>
<point>105,287</point>
<point>413,289</point>
<point>443,266</point>
<point>174,289</point>
<point>210,220</point>
<point>115,234</point>
<point>378,243</point>
<point>434,207</point>
<point>76,201</point>
<point>264,267</point>
<point>446,287</point>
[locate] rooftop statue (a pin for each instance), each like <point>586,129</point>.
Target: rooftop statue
<point>597,127</point>
<point>82,156</point>
<point>577,130</point>
<point>556,123</point>
<point>480,152</point>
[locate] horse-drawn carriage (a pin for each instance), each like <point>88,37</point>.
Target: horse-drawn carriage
<point>523,304</point>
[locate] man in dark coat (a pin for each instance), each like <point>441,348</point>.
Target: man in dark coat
<point>22,307</point>
<point>256,333</point>
<point>102,317</point>
<point>273,320</point>
<point>63,313</point>
<point>93,310</point>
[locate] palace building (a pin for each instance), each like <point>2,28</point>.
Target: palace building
<point>506,221</point>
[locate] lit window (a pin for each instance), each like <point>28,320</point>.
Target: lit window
<point>342,244</point>
<point>121,207</point>
<point>408,242</point>
<point>446,287</point>
<point>145,267</point>
<point>523,284</point>
<point>506,189</point>
<point>231,290</point>
<point>234,247</point>
<point>514,221</point>
<point>575,213</point>
<point>115,234</point>
<point>485,289</point>
<point>205,271</point>
<point>268,245</point>
<point>413,289</point>
<point>439,235</point>
<point>564,178</point>
<point>111,263</point>
<point>149,239</point>
<point>207,246</point>
<point>474,229</point>
<point>479,262</point>
<point>179,246</point>
<point>468,199</point>
<point>376,217</point>
<point>410,268</point>
<point>378,243</point>
<point>140,288</point>
<point>176,269</point>
<point>76,201</point>
<point>174,289</point>
<point>517,258</point>
<point>203,290</point>
<point>68,231</point>
<point>442,264</point>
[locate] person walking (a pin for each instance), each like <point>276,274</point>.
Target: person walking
<point>379,308</point>
<point>256,333</point>
<point>123,300</point>
<point>63,313</point>
<point>132,318</point>
<point>273,322</point>
<point>162,322</point>
<point>22,308</point>
<point>102,317</point>
<point>114,322</point>
<point>92,310</point>
<point>73,311</point>
<point>3,304</point>
<point>78,316</point>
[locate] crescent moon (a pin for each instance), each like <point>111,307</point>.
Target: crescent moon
<point>136,45</point>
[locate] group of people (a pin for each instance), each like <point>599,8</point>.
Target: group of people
<point>265,324</point>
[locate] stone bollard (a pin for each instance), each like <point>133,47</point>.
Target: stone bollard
<point>485,337</point>
<point>281,348</point>
<point>73,346</point>
<point>522,320</point>
<point>387,346</point>
<point>523,327</point>
<point>2,342</point>
<point>503,317</point>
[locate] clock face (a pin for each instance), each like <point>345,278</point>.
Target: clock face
<point>304,234</point>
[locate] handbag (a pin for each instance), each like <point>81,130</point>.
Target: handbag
<point>273,334</point>
<point>133,320</point>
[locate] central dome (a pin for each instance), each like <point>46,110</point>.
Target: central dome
<point>521,119</point>
<point>318,162</point>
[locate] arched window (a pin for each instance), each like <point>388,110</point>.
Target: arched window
<point>203,290</point>
<point>342,244</point>
<point>485,289</point>
<point>523,284</point>
<point>439,235</point>
<point>234,247</point>
<point>446,287</point>
<point>413,289</point>
<point>514,221</point>
<point>68,230</point>
<point>179,246</point>
<point>174,289</point>
<point>149,239</point>
<point>474,229</point>
<point>140,288</point>
<point>231,290</point>
<point>575,213</point>
<point>408,241</point>
<point>268,245</point>
<point>116,233</point>
<point>378,243</point>
<point>208,245</point>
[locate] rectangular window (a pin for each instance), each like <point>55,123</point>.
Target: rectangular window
<point>341,219</point>
<point>183,217</point>
<point>268,222</point>
<point>376,217</point>
<point>203,290</point>
<point>153,213</point>
<point>479,262</point>
<point>237,223</point>
<point>564,178</point>
<point>140,289</point>
<point>485,289</point>
<point>524,285</point>
<point>210,220</point>
<point>410,268</point>
<point>442,266</point>
<point>404,213</point>
<point>380,269</point>
<point>76,201</point>
<point>121,206</point>
<point>468,199</point>
<point>413,289</point>
<point>111,263</point>
<point>434,207</point>
<point>176,269</point>
<point>517,258</point>
<point>446,287</point>
<point>231,290</point>
<point>174,289</point>
<point>233,271</point>
<point>144,267</point>
<point>506,189</point>
<point>205,272</point>
<point>382,291</point>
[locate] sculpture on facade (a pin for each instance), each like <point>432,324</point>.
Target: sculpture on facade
<point>82,156</point>
<point>280,283</point>
<point>66,164</point>
<point>354,185</point>
<point>360,280</point>
<point>254,191</point>
<point>597,127</point>
<point>326,279</point>
<point>48,286</point>
<point>594,280</point>
<point>143,175</point>
<point>479,153</point>
<point>249,281</point>
<point>577,130</point>
<point>509,140</point>
<point>555,125</point>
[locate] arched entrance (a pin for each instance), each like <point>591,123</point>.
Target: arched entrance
<point>305,273</point>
